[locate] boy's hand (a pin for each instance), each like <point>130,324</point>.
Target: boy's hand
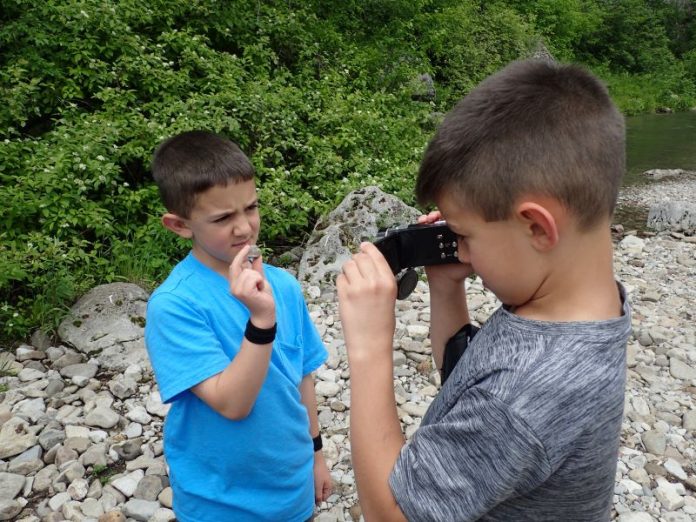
<point>249,285</point>
<point>323,485</point>
<point>430,218</point>
<point>448,275</point>
<point>366,299</point>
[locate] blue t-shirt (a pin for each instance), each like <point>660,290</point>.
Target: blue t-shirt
<point>254,469</point>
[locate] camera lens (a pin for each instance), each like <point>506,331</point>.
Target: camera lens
<point>406,283</point>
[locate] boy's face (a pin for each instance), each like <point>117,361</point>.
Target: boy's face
<point>224,219</point>
<point>498,251</point>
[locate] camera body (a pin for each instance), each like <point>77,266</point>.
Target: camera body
<point>408,246</point>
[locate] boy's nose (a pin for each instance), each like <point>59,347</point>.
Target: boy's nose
<point>242,227</point>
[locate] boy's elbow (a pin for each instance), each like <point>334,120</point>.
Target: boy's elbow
<point>385,514</point>
<point>236,413</point>
<point>233,410</point>
<point>380,506</point>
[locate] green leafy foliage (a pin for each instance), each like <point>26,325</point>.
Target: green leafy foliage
<point>319,94</point>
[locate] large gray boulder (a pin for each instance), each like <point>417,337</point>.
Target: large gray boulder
<point>109,322</point>
<point>673,216</point>
<point>359,217</point>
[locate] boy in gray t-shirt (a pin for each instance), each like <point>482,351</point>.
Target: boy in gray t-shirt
<point>526,171</point>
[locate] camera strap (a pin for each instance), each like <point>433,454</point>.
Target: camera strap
<point>454,349</point>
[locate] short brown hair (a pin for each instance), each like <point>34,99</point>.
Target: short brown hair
<point>189,163</point>
<point>534,127</point>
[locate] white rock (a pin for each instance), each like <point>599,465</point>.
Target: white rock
<point>30,374</point>
<point>127,484</point>
<point>91,507</point>
<point>327,389</point>
<point>667,495</point>
<point>418,331</point>
<point>673,467</point>
<point>632,245</point>
<point>80,432</point>
<point>676,516</point>
<point>399,358</point>
<point>139,414</point>
<point>327,375</point>
<point>98,436</point>
<point>632,487</point>
<point>641,407</point>
<point>680,370</point>
<point>415,410</point>
<point>689,420</point>
<point>102,417</point>
<point>15,437</point>
<point>133,430</point>
<point>78,489</point>
<point>155,406</point>
<point>162,515</point>
<point>638,516</point>
<point>56,502</point>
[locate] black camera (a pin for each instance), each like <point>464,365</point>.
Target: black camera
<point>408,246</point>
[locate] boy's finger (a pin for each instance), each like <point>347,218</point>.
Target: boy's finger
<point>257,264</point>
<point>236,265</point>
<point>248,284</point>
<point>377,259</point>
<point>350,271</point>
<point>366,266</point>
<point>430,217</point>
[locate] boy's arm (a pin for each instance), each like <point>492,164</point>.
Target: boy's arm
<point>232,392</point>
<point>448,308</point>
<point>366,295</point>
<point>322,477</point>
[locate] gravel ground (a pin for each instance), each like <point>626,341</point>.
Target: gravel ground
<point>79,443</point>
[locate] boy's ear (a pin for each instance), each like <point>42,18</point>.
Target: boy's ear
<point>540,223</point>
<point>177,225</point>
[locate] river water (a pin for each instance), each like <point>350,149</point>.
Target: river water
<point>654,141</point>
<point>659,141</point>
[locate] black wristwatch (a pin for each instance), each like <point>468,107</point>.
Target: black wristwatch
<point>317,443</point>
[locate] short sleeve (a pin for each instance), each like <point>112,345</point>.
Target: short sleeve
<point>182,347</point>
<point>479,455</point>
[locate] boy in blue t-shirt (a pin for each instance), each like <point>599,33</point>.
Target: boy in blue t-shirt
<point>232,347</point>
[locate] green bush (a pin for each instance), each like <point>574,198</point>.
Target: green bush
<point>317,93</point>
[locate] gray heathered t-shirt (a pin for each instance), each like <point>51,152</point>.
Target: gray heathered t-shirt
<point>525,428</point>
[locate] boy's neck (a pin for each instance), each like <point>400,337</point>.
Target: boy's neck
<point>580,284</point>
<point>218,267</point>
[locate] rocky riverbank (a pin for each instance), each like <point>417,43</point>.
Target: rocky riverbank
<point>81,435</point>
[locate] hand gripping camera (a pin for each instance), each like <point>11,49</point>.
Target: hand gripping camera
<point>408,246</point>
